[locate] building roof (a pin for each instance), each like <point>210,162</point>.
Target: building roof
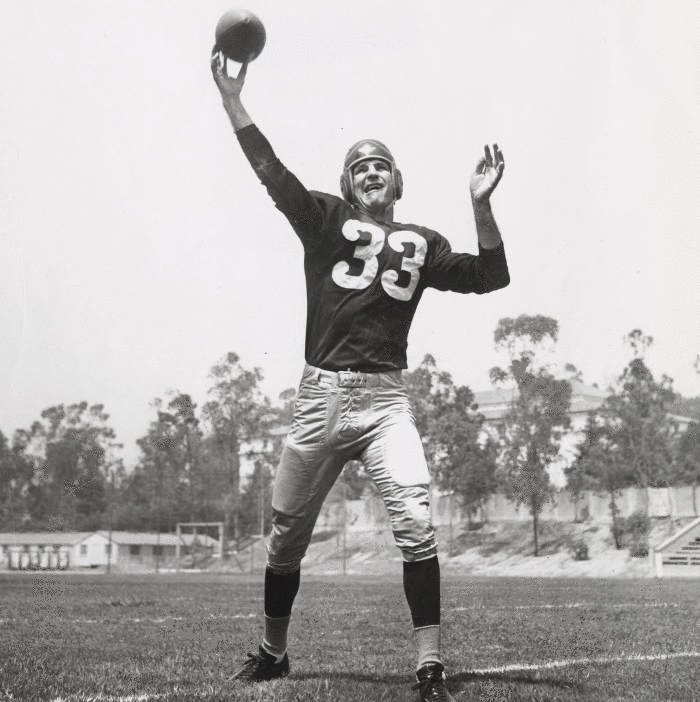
<point>43,538</point>
<point>494,403</point>
<point>128,538</point>
<point>134,538</point>
<point>140,538</point>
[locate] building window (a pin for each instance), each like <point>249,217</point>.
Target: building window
<point>157,550</point>
<point>83,550</point>
<point>134,550</point>
<point>108,549</point>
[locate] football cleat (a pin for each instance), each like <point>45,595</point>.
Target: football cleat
<point>261,666</point>
<point>431,683</point>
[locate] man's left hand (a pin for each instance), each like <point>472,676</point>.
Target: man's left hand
<point>488,173</point>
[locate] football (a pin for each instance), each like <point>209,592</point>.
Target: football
<point>240,35</point>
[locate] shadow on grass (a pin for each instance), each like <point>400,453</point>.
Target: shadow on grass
<point>524,678</point>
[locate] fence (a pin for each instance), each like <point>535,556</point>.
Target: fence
<point>370,514</point>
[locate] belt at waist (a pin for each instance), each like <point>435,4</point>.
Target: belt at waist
<point>355,379</point>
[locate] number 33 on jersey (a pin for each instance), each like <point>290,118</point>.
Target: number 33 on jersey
<point>370,241</point>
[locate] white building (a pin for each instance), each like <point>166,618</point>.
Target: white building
<point>42,551</point>
<point>123,550</point>
<point>146,551</point>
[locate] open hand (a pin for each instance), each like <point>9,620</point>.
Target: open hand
<point>488,172</point>
<point>228,87</point>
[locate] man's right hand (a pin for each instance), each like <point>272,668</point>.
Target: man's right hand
<point>228,87</point>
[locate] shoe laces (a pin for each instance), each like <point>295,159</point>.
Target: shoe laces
<point>253,660</point>
<point>433,684</point>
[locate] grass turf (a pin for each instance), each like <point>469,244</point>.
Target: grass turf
<point>169,637</point>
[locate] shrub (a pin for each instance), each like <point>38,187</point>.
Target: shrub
<point>636,529</point>
<point>578,548</point>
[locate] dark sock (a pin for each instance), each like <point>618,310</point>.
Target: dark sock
<point>421,583</point>
<point>280,591</point>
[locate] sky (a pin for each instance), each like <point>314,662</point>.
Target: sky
<point>137,247</point>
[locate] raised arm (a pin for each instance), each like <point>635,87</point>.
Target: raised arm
<point>290,197</point>
<point>461,272</point>
<point>483,182</point>
<point>230,89</point>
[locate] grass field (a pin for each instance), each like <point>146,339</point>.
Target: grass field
<point>72,637</point>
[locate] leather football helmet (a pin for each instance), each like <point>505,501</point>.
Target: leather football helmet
<point>363,151</point>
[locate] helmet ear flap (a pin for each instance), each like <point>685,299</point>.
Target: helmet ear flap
<point>398,183</point>
<point>345,186</point>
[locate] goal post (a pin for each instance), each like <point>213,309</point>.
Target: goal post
<point>194,526</point>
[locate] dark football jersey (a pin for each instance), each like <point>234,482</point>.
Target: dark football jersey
<point>364,278</point>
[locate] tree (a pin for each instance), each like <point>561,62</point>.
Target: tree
<point>538,415</point>
<point>429,390</point>
<point>600,466</point>
<point>72,449</point>
<point>638,413</point>
<point>628,439</point>
<point>255,516</point>
<point>640,408</point>
<point>237,412</point>
<point>16,473</point>
<point>168,469</point>
<point>285,413</point>
<point>186,429</point>
<point>466,463</point>
<point>460,455</point>
<point>132,495</point>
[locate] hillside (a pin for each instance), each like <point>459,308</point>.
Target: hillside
<point>503,548</point>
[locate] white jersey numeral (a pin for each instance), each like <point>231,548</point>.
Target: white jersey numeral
<point>411,264</point>
<point>370,240</point>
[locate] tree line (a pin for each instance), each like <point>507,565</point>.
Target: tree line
<point>65,472</point>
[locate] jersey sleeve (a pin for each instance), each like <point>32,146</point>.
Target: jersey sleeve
<point>467,273</point>
<point>292,199</point>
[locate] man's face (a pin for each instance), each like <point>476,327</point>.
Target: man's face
<point>372,185</point>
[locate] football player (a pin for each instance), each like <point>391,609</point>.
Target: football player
<point>365,275</point>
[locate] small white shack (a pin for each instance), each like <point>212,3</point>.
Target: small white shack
<point>147,551</point>
<point>53,550</point>
<point>139,551</point>
<point>679,555</point>
<point>122,550</point>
